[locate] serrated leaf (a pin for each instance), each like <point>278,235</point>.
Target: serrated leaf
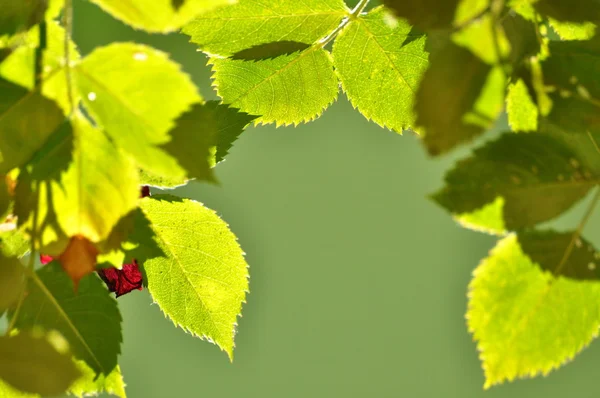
<point>21,15</point>
<point>27,119</point>
<point>426,14</point>
<point>526,321</point>
<point>88,384</point>
<point>547,249</point>
<point>201,282</point>
<point>289,89</point>
<point>522,111</point>
<point>12,281</point>
<point>158,15</point>
<point>89,319</point>
<point>525,179</point>
<point>134,112</point>
<point>380,66</point>
<point>32,364</point>
<point>153,180</point>
<point>18,67</point>
<point>230,124</point>
<point>574,10</point>
<point>249,23</point>
<point>573,31</point>
<point>458,98</point>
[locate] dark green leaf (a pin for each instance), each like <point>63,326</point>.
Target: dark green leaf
<point>32,364</point>
<point>573,115</point>
<point>20,15</point>
<point>572,10</point>
<point>89,319</point>
<point>11,281</point>
<point>230,124</point>
<point>522,36</point>
<point>562,254</point>
<point>426,14</point>
<point>520,180</point>
<point>449,92</point>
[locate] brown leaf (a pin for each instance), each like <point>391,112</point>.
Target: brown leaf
<point>79,258</point>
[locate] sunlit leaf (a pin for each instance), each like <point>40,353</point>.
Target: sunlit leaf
<point>249,23</point>
<point>201,281</point>
<point>525,320</point>
<point>135,112</point>
<point>522,111</point>
<point>289,89</point>
<point>158,15</point>
<point>91,384</point>
<point>573,10</point>
<point>380,66</point>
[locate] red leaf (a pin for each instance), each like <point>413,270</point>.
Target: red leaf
<point>145,191</point>
<point>45,259</point>
<point>122,281</point>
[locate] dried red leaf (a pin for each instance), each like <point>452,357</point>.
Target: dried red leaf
<point>122,281</point>
<point>145,191</point>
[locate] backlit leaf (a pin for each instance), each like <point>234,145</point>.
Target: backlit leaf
<point>380,66</point>
<point>88,384</point>
<point>158,15</point>
<point>228,30</point>
<point>525,320</point>
<point>289,89</point>
<point>12,281</point>
<point>573,31</point>
<point>426,14</point>
<point>201,282</point>
<point>522,111</point>
<point>520,180</point>
<point>32,364</point>
<point>574,10</point>
<point>135,112</point>
<point>20,15</point>
<point>89,319</point>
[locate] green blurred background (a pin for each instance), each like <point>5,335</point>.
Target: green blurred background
<point>358,282</point>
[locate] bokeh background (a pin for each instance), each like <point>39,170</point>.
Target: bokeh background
<point>358,281</point>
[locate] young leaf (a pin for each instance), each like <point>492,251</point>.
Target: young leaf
<point>452,87</point>
<point>89,319</point>
<point>19,16</point>
<point>160,16</point>
<point>380,66</point>
<point>228,30</point>
<point>33,364</point>
<point>289,89</point>
<point>426,14</point>
<point>12,281</point>
<point>574,10</point>
<point>154,180</point>
<point>201,282</point>
<point>520,180</point>
<point>522,111</point>
<point>525,320</point>
<point>573,31</point>
<point>134,112</point>
<point>91,384</point>
<point>27,119</point>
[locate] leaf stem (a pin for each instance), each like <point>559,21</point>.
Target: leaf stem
<point>68,26</point>
<point>578,231</point>
<point>39,55</point>
<point>352,14</point>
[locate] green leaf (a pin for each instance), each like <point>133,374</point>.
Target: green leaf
<point>18,16</point>
<point>14,243</point>
<point>89,319</point>
<point>572,115</point>
<point>522,111</point>
<point>426,14</point>
<point>32,364</point>
<point>27,119</point>
<point>459,97</point>
<point>90,384</point>
<point>6,391</point>
<point>573,31</point>
<point>249,23</point>
<point>520,180</point>
<point>574,10</point>
<point>230,124</point>
<point>136,113</point>
<point>12,281</point>
<point>525,320</point>
<point>18,68</point>
<point>522,36</point>
<point>270,50</point>
<point>153,180</point>
<point>380,66</point>
<point>158,15</point>
<point>547,249</point>
<point>201,282</point>
<point>477,37</point>
<point>289,89</point>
